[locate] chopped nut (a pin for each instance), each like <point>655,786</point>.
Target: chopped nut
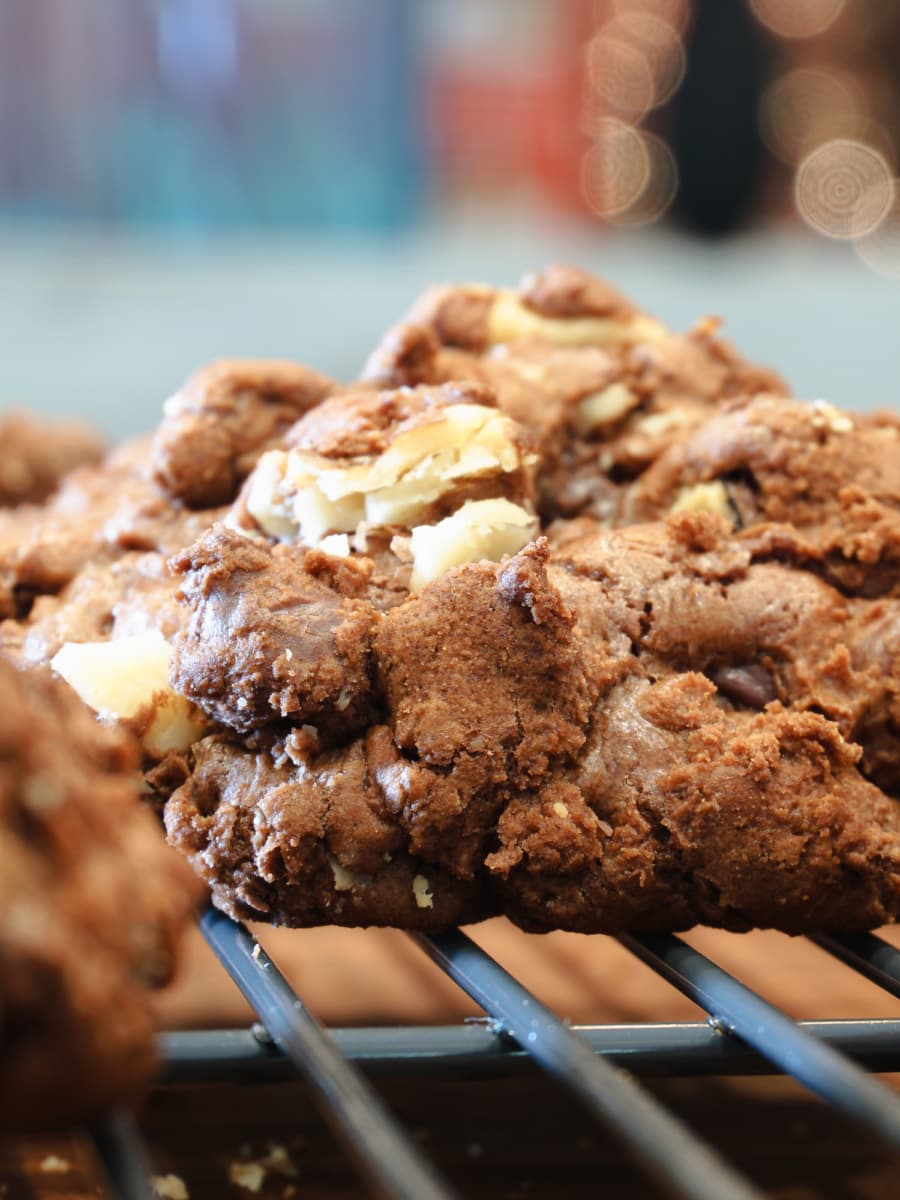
<point>560,809</point>
<point>604,407</point>
<point>128,677</point>
<point>247,1175</point>
<point>480,529</point>
<point>826,416</point>
<point>705,497</point>
<point>171,1187</point>
<point>336,544</point>
<point>344,880</point>
<point>656,424</point>
<point>509,319</point>
<point>301,494</point>
<point>52,1164</point>
<point>422,892</point>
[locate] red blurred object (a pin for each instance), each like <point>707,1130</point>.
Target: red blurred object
<point>504,104</point>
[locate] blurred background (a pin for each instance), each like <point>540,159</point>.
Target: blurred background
<point>183,179</point>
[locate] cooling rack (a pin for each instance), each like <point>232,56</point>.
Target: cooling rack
<point>601,1065</point>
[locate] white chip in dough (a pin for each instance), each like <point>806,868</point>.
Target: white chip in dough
<point>480,529</point>
<point>122,678</point>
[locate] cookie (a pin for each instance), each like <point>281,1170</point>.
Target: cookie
<point>92,906</point>
<point>35,455</point>
<point>369,692</point>
<point>645,729</point>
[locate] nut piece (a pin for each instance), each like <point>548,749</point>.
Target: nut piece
<point>826,416</point>
<point>509,319</point>
<point>170,1187</point>
<point>480,529</point>
<point>127,679</point>
<point>301,494</point>
<point>705,497</point>
<point>422,892</point>
<point>604,407</point>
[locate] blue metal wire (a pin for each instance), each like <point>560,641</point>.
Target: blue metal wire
<point>868,954</point>
<point>741,1011</point>
<point>122,1154</point>
<point>657,1050</point>
<point>663,1145</point>
<point>381,1149</point>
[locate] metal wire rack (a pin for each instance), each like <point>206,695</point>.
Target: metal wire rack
<point>598,1064</point>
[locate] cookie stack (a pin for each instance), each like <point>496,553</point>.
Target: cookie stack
<point>554,613</point>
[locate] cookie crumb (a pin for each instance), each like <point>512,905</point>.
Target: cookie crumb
<point>52,1164</point>
<point>247,1175</point>
<point>170,1187</point>
<point>278,1159</point>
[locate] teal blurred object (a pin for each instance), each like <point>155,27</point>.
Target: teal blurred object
<point>190,114</point>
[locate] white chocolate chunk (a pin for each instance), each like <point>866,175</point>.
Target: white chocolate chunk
<point>122,678</point>
<point>336,544</point>
<point>422,892</point>
<point>479,529</point>
<point>344,880</point>
<point>705,497</point>
<point>509,319</point>
<point>604,407</point>
<point>300,493</point>
<point>826,416</point>
<point>561,809</point>
<point>656,424</point>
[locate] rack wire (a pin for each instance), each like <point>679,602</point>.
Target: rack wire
<point>744,1035</point>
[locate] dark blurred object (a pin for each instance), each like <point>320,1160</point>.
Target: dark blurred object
<point>714,132</point>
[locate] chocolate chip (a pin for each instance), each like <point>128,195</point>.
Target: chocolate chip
<point>749,684</point>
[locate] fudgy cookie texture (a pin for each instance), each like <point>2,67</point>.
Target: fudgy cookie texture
<point>603,387</point>
<point>800,479</point>
<point>223,417</point>
<point>92,904</point>
<point>644,729</point>
<point>35,455</point>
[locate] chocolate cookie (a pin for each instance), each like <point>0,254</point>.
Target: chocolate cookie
<point>92,903</point>
<point>369,692</point>
<point>646,729</point>
<point>35,455</point>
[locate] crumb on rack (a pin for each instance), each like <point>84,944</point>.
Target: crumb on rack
<point>170,1187</point>
<point>52,1164</point>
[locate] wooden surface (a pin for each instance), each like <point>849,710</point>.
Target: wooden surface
<point>497,1139</point>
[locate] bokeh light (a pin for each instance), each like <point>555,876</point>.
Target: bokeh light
<point>660,185</point>
<point>807,106</point>
<point>797,18</point>
<point>674,13</point>
<point>844,189</point>
<point>616,168</point>
<point>661,46</point>
<point>619,75</point>
<point>880,249</point>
